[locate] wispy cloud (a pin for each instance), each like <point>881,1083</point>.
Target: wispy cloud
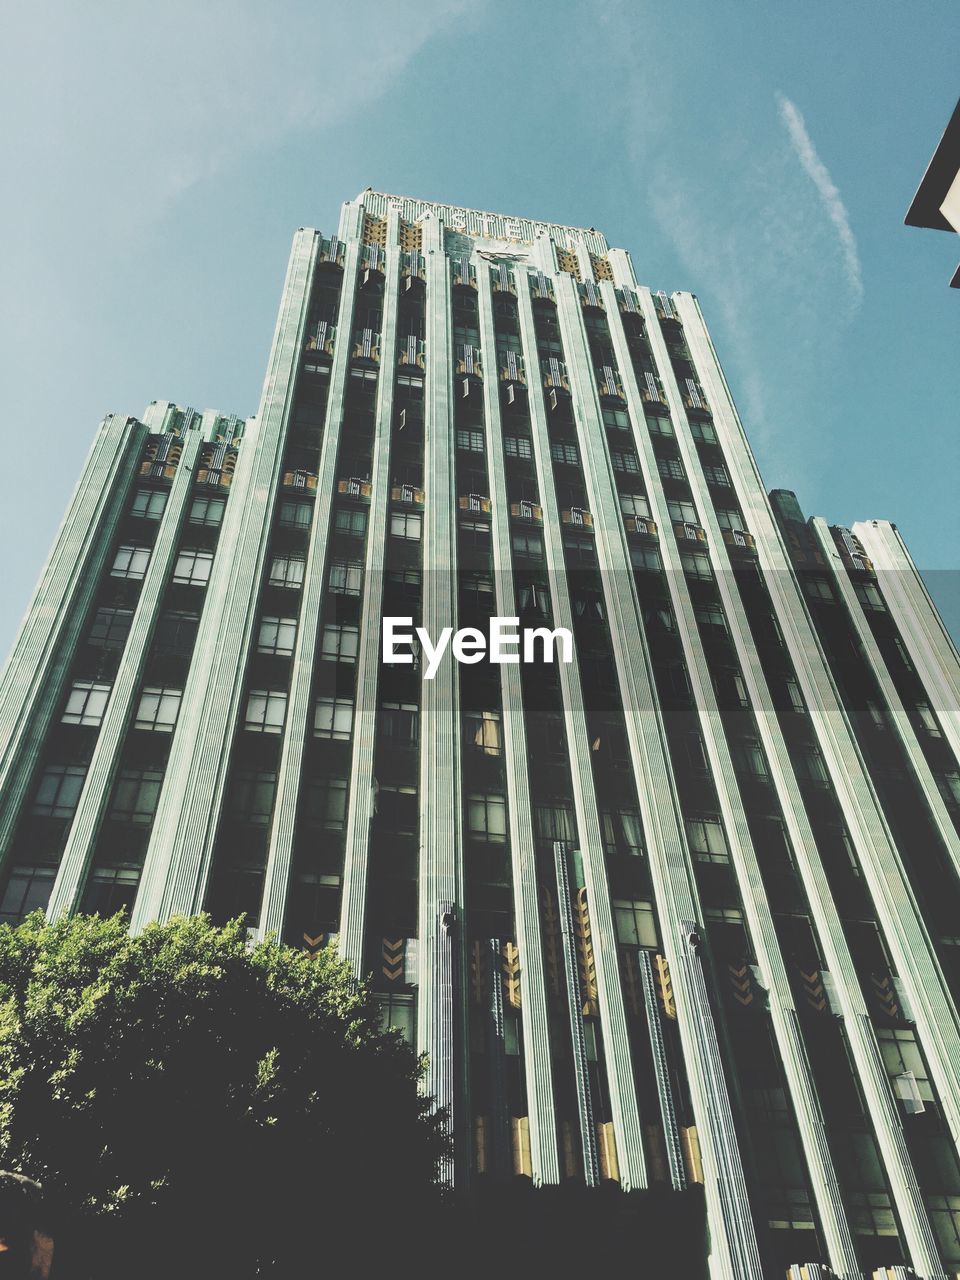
<point>832,200</point>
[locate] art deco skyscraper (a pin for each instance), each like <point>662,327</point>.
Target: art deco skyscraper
<point>682,910</point>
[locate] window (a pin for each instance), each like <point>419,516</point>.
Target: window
<point>683,512</point>
<point>660,426</point>
<point>659,618</point>
<point>818,589</point>
<point>868,595</point>
<point>616,419</point>
<point>580,550</point>
<point>710,615</point>
<point>86,703</point>
<point>148,504</point>
<point>158,709</point>
<point>703,431</point>
<point>193,567</point>
<point>553,822</point>
<point>135,795</point>
<point>405,524</point>
<point>565,452</point>
<point>634,923</point>
<point>928,719</point>
<point>207,511</point>
<point>794,695</point>
<point>646,558</point>
<point>517,447</point>
<point>277,635</point>
<point>397,809</point>
<point>902,653</point>
<point>691,751</point>
<point>944,1211</point>
<point>949,787</point>
<point>400,722</point>
<point>487,817</point>
<point>397,1013</point>
<point>622,832</point>
<point>59,791</point>
<point>707,840</point>
<point>727,518</point>
<point>28,889</point>
<point>339,643</point>
<point>326,803</point>
<point>717,474</point>
<point>345,577</point>
<point>475,533</point>
<point>350,520</point>
<point>481,730</point>
<point>625,460</point>
<point>529,545</point>
<point>902,1057</point>
<point>748,758</point>
<point>670,468</point>
<point>110,628</point>
<point>471,440</point>
<point>295,515</point>
<point>266,710</point>
<point>130,562</point>
<point>533,596</point>
<point>333,718</point>
<point>696,564</point>
<point>635,504</point>
<point>176,633</point>
<point>286,571</point>
<point>809,764</point>
<point>251,797</point>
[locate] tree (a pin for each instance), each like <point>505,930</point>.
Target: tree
<point>201,1108</point>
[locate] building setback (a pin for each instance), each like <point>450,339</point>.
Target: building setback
<point>682,911</point>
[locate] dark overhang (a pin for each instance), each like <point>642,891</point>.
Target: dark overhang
<point>941,171</point>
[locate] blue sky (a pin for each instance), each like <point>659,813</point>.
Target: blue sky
<point>157,159</point>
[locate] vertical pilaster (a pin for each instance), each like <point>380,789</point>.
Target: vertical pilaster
<point>898,716</point>
<point>439,1030</point>
<point>757,913</point>
<point>677,903</point>
<point>181,844</point>
<point>536,1033</point>
<point>68,886</point>
<point>32,680</point>
<point>360,810</point>
<point>931,649</point>
<point>623,1097</point>
<point>296,725</point>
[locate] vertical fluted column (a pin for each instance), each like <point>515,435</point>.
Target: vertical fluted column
<point>181,844</point>
<point>68,886</point>
<point>674,887</point>
<point>931,649</point>
<point>439,1030</point>
<point>360,809</point>
<point>536,1032</point>
<point>898,716</point>
<point>623,1096</point>
<point>756,907</point>
<point>32,680</point>
<point>296,724</point>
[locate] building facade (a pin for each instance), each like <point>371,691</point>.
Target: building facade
<point>683,910</point>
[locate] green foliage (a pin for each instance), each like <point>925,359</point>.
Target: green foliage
<point>201,1108</point>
